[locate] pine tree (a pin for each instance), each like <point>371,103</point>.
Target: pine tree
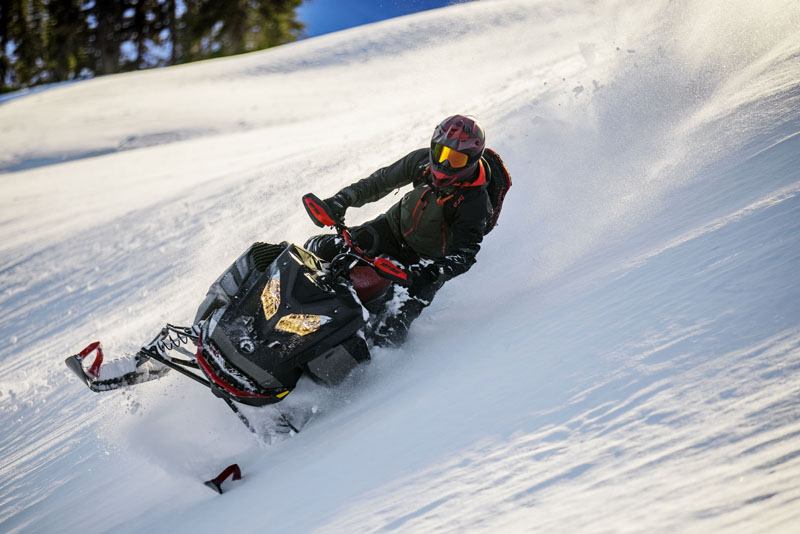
<point>5,61</point>
<point>175,30</point>
<point>106,37</point>
<point>27,31</point>
<point>66,34</point>
<point>52,40</point>
<point>278,22</point>
<point>221,29</point>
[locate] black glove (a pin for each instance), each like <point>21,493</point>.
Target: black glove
<point>338,205</point>
<point>424,273</point>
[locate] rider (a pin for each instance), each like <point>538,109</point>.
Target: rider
<point>435,229</point>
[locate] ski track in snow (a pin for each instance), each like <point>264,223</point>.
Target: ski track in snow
<point>625,356</point>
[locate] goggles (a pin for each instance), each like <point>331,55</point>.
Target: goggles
<point>456,159</point>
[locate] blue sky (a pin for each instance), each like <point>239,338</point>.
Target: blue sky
<point>325,16</point>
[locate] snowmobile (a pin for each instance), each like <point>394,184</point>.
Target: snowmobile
<point>277,313</point>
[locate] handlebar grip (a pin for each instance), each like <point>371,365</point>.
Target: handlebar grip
<point>318,211</point>
<point>389,270</point>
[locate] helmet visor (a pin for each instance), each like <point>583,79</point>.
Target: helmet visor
<point>443,153</point>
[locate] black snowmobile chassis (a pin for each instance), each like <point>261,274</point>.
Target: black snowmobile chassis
<point>241,348</point>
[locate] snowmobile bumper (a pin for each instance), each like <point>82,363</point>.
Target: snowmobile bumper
<point>144,371</point>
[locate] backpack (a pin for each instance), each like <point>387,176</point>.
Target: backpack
<point>498,182</point>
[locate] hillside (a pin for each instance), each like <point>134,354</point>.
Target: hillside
<point>624,357</point>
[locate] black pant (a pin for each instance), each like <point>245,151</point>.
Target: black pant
<point>390,326</point>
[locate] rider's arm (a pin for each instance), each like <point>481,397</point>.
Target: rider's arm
<point>385,180</point>
<point>468,228</point>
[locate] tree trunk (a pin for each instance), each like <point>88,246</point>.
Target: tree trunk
<point>5,26</point>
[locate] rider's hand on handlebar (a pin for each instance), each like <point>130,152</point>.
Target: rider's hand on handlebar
<point>338,204</point>
<point>424,273</point>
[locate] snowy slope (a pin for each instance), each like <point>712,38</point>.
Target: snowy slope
<point>625,356</point>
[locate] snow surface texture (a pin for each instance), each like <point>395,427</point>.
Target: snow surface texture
<point>625,356</point>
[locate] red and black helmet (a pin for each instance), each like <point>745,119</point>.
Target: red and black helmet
<point>456,148</point>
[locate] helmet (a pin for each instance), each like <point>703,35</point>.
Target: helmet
<point>456,147</point>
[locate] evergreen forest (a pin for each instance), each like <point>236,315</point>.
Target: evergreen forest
<point>45,41</point>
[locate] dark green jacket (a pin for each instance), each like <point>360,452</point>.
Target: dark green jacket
<point>446,226</point>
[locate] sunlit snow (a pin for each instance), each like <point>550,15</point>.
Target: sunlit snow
<point>624,357</point>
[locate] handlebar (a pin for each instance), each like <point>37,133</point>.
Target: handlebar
<point>321,215</point>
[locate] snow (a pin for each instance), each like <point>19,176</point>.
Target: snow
<point>624,357</point>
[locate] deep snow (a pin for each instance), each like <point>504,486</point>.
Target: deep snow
<point>625,356</point>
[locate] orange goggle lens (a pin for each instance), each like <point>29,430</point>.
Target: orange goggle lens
<point>457,159</point>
